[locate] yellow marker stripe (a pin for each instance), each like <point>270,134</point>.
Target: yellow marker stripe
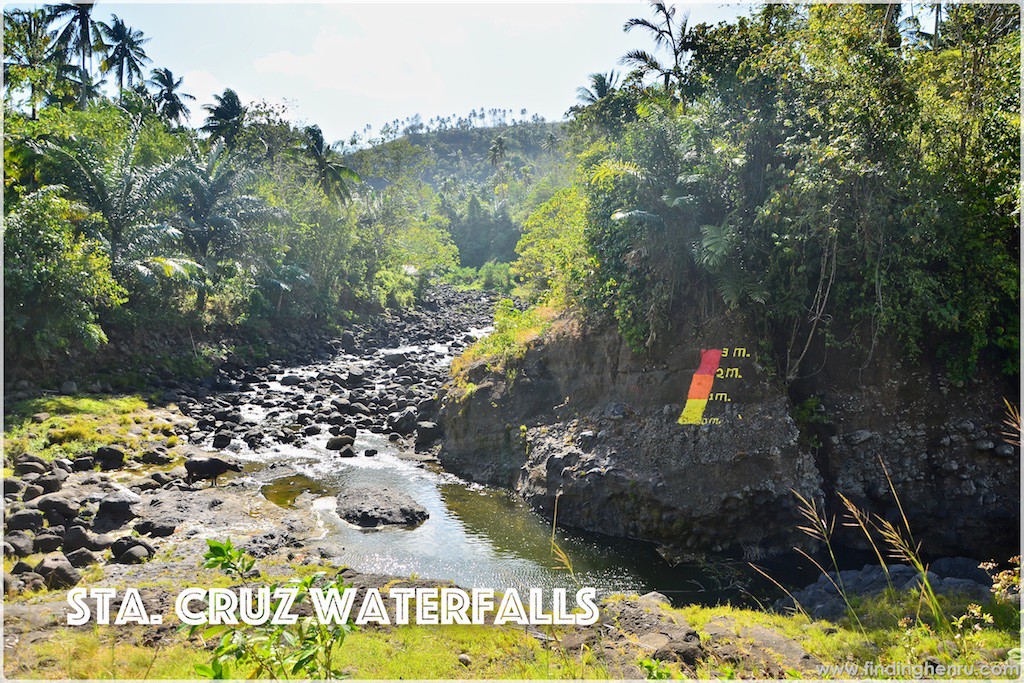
<point>693,411</point>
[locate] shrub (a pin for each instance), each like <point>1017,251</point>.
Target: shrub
<point>55,280</point>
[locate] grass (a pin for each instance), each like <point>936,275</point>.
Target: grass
<point>80,424</point>
<point>507,652</point>
<point>514,331</point>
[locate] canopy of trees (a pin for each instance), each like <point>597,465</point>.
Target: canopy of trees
<point>841,175</point>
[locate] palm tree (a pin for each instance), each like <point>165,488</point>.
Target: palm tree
<point>667,34</point>
<point>82,82</point>
<point>124,194</point>
<point>214,209</point>
<point>225,117</point>
<point>28,53</point>
<point>170,102</point>
<point>496,153</point>
<point>331,173</point>
<point>123,47</point>
<point>550,143</point>
<point>76,35</point>
<point>601,85</point>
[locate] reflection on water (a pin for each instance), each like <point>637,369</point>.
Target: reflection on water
<point>481,537</point>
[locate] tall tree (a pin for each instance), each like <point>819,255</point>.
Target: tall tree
<point>669,34</point>
<point>215,210</point>
<point>123,47</point>
<point>225,117</point>
<point>77,35</point>
<point>170,102</point>
<point>124,194</point>
<point>332,175</point>
<point>496,153</point>
<point>28,53</point>
<point>601,85</point>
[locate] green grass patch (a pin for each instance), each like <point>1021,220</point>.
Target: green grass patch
<point>514,331</point>
<point>76,425</point>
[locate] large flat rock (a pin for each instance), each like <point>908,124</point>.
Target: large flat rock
<point>380,507</point>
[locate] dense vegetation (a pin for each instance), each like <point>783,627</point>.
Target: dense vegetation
<point>834,172</point>
<point>838,174</point>
<point>120,218</point>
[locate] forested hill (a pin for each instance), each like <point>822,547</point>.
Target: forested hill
<point>469,154</point>
<point>475,184</point>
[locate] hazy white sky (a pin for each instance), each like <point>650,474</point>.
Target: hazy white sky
<point>345,65</point>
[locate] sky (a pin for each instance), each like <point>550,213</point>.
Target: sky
<point>343,66</point>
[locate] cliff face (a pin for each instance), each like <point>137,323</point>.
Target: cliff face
<point>583,418</point>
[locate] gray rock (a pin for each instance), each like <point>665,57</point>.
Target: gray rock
<point>58,572</point>
<point>379,507</point>
<point>64,504</point>
<point>21,544</point>
<point>402,422</point>
<point>82,558</point>
<point>615,411</point>
<point>427,433</point>
<point>68,388</point>
<point>155,528</point>
<point>291,380</point>
<point>860,436</point>
<point>336,443</point>
<point>222,439</point>
<point>109,458</point>
<point>13,486</point>
<point>46,543</point>
<point>83,463</point>
<point>25,520</point>
<point>136,554</point>
<point>24,467</point>
<point>1004,450</point>
<point>118,505</point>
<point>960,568</point>
<point>983,445</point>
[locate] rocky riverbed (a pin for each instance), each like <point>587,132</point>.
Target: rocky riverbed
<point>121,507</point>
<point>138,512</point>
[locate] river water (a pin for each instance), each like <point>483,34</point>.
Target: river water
<point>477,536</point>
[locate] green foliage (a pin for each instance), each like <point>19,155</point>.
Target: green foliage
<point>306,649</point>
<point>553,258</point>
<point>802,169</point>
<point>56,282</point>
<point>514,331</point>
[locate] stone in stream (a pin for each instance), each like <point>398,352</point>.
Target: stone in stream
<point>403,422</point>
<point>336,443</point>
<point>371,508</point>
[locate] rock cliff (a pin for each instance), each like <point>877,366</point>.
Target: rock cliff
<point>583,418</point>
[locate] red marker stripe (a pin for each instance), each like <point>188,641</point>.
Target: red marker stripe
<point>709,360</point>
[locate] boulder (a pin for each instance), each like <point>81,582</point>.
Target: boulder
<point>402,422</point>
<point>109,458</point>
<point>21,544</point>
<point>155,528</point>
<point>83,463</point>
<point>25,520</point>
<point>336,443</point>
<point>118,505</point>
<point>427,433</point>
<point>46,543</point>
<point>63,504</point>
<point>82,558</point>
<point>58,572</point>
<point>222,439</point>
<point>379,507</point>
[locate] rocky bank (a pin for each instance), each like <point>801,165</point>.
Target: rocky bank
<point>585,419</point>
